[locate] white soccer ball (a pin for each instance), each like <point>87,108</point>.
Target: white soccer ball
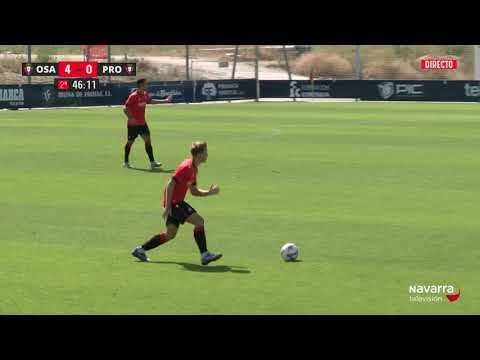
<point>289,252</point>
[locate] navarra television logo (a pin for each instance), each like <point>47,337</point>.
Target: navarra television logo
<point>433,293</point>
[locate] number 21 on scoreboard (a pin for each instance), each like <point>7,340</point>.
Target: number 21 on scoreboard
<point>62,85</point>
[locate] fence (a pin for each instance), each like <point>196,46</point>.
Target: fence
<point>274,62</point>
<point>45,95</point>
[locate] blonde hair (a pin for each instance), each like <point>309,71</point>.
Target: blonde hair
<point>198,147</point>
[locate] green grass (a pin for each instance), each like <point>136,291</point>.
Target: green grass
<point>379,196</point>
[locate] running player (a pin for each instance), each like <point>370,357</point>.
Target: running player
<point>177,211</point>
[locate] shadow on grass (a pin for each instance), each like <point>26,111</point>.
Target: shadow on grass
<point>157,170</point>
<point>206,268</point>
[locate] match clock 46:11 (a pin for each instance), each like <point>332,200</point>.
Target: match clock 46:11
<point>77,84</point>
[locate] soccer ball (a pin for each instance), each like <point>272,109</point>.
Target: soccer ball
<point>289,252</point>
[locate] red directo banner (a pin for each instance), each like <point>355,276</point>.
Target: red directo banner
<point>95,52</point>
<point>438,63</point>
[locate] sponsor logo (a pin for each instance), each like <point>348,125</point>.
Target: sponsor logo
<point>47,95</point>
<point>472,90</point>
<point>98,93</point>
<point>209,90</point>
<point>294,89</point>
<point>229,86</point>
<point>11,94</point>
<point>68,94</point>
<point>309,90</point>
<point>388,89</point>
<point>230,91</point>
<point>164,93</point>
<point>84,94</point>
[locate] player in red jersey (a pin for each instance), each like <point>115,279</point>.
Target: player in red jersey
<point>135,111</point>
<point>177,211</point>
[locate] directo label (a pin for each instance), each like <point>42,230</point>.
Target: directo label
<point>439,63</point>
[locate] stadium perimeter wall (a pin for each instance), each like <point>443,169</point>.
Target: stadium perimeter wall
<point>45,95</point>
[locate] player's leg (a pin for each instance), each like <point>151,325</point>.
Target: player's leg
<point>148,147</point>
<point>132,135</point>
<point>128,146</point>
<point>161,238</point>
<point>199,234</point>
<point>156,240</point>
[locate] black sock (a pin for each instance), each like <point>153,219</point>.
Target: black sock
<point>200,239</point>
<point>149,150</point>
<point>155,241</point>
<point>127,152</point>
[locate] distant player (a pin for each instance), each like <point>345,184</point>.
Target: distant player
<point>177,211</point>
<point>135,111</point>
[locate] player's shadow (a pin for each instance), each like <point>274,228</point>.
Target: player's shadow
<point>154,170</point>
<point>207,268</point>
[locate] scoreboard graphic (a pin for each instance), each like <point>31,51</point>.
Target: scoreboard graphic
<point>78,75</point>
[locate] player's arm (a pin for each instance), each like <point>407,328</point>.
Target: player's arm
<point>163,101</point>
<point>168,197</point>
<point>195,191</point>
<point>130,101</point>
<point>128,114</point>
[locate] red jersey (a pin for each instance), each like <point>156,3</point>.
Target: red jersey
<point>136,104</point>
<point>185,175</point>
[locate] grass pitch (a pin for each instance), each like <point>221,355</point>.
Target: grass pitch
<point>378,196</point>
